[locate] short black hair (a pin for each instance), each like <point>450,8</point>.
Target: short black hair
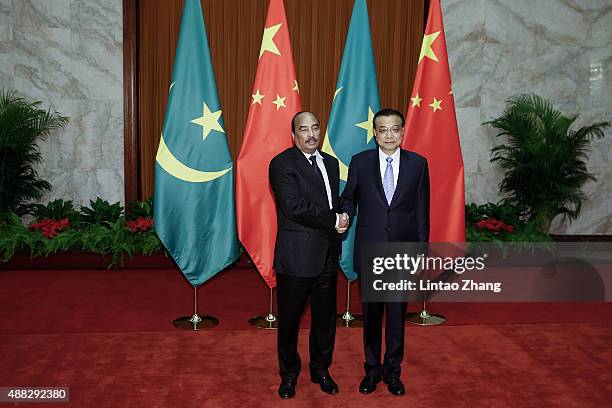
<point>295,117</point>
<point>387,112</point>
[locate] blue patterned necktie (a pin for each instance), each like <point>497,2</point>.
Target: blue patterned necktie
<point>388,181</point>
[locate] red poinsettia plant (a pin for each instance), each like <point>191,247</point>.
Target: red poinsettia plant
<point>50,227</point>
<point>140,224</point>
<point>494,225</point>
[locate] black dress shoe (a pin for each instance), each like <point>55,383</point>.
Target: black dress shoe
<point>395,385</point>
<point>368,384</point>
<point>286,389</point>
<point>327,384</point>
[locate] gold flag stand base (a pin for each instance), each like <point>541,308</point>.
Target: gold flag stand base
<point>347,319</point>
<point>269,322</point>
<point>424,318</point>
<point>195,322</point>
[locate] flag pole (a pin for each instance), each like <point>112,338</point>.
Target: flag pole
<point>195,322</point>
<point>268,322</point>
<point>347,319</point>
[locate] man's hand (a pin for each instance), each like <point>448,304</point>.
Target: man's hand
<point>343,223</point>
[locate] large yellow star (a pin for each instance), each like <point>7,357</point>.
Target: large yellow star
<point>280,102</point>
<point>257,98</point>
<point>426,50</point>
<point>267,43</point>
<point>367,125</point>
<point>416,101</point>
<point>209,121</point>
<point>436,104</point>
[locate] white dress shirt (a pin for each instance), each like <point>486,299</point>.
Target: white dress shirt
<point>382,158</point>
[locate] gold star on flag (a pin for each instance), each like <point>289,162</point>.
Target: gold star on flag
<point>367,125</point>
<point>257,98</point>
<point>451,89</point>
<point>416,101</point>
<point>436,104</point>
<point>296,88</point>
<point>209,121</point>
<point>280,102</point>
<point>267,43</point>
<point>426,50</point>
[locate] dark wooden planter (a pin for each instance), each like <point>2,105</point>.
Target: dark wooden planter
<point>87,260</point>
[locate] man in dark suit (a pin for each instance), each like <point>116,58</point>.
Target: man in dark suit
<point>389,188</point>
<point>305,182</point>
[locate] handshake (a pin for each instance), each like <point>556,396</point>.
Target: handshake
<point>343,223</point>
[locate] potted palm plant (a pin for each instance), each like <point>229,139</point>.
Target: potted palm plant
<point>23,123</point>
<point>544,158</point>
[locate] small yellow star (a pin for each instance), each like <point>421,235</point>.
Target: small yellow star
<point>426,50</point>
<point>296,88</point>
<point>209,121</point>
<point>451,89</point>
<point>436,104</point>
<point>257,98</point>
<point>367,125</point>
<point>267,42</point>
<point>416,101</point>
<point>280,102</point>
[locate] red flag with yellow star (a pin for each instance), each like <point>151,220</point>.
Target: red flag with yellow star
<point>431,130</point>
<point>274,102</point>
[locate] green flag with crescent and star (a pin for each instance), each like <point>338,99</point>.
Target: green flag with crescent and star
<point>356,100</point>
<point>194,182</point>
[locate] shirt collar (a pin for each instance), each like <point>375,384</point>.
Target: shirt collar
<point>316,153</point>
<point>382,156</point>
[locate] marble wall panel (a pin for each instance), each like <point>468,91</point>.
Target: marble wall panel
<point>509,22</point>
<point>69,54</point>
<point>41,13</point>
<point>560,49</point>
<point>5,24</point>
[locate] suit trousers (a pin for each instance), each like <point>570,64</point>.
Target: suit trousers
<point>292,296</point>
<point>394,337</point>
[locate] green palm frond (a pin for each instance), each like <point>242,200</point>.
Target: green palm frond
<point>544,158</point>
<point>23,123</point>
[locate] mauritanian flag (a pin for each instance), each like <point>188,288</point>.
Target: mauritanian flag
<point>431,130</point>
<point>194,184</point>
<point>274,101</point>
<point>356,100</point>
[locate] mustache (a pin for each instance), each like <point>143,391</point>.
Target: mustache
<point>312,139</point>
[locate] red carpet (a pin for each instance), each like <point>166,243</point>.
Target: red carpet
<point>149,300</point>
<point>550,365</point>
<point>108,336</point>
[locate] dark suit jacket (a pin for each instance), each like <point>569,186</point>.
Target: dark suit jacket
<point>306,224</point>
<point>406,219</point>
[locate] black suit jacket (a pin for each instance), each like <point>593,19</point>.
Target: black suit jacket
<point>406,219</point>
<point>306,224</point>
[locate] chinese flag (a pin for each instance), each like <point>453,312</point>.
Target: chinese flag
<point>274,102</point>
<point>431,130</point>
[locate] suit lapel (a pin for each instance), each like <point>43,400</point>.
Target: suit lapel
<point>375,171</point>
<point>402,177</point>
<point>333,179</point>
<point>306,168</point>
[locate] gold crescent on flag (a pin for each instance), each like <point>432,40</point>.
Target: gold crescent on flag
<point>174,167</point>
<point>327,148</point>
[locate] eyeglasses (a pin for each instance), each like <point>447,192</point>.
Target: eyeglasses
<point>395,130</point>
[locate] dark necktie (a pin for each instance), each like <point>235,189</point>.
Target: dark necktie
<point>317,172</point>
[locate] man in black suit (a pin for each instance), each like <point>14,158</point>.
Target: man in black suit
<point>305,182</point>
<point>389,188</point>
